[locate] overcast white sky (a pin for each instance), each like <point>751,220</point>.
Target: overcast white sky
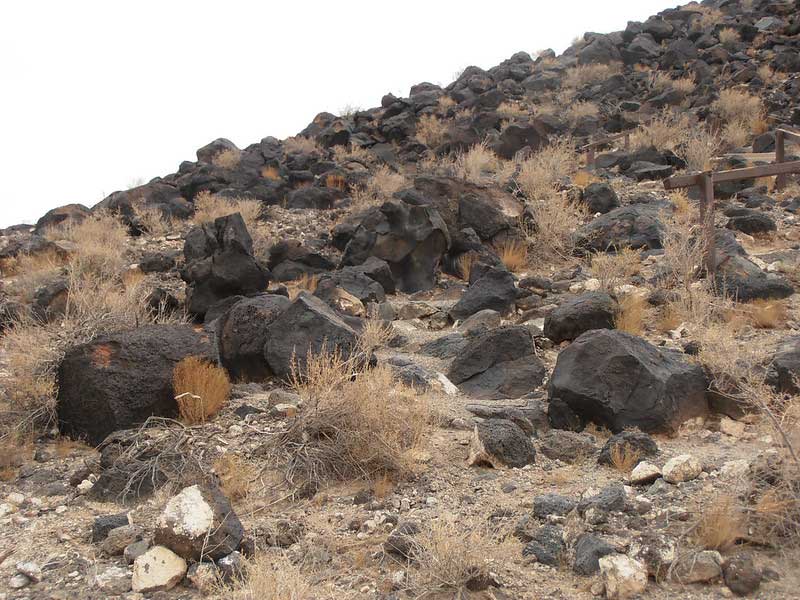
<point>97,94</point>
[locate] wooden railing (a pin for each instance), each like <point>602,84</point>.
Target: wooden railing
<point>591,146</point>
<point>706,180</point>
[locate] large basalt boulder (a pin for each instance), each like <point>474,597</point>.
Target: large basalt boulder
<point>117,381</point>
<point>308,325</point>
<point>621,381</point>
<point>599,197</point>
<point>354,282</point>
<point>784,371</point>
<point>492,289</point>
<point>592,310</point>
<point>199,523</point>
<point>633,226</point>
<point>411,239</point>
<point>500,443</point>
<point>500,363</point>
<point>517,136</point>
<point>242,334</point>
<point>737,277</point>
<point>62,215</point>
<point>220,263</point>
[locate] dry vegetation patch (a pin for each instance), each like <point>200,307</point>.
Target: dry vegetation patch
<point>201,389</point>
<point>379,188</point>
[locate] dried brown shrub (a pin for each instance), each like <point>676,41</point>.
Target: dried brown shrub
<point>666,131</point>
<point>514,254</point>
<point>729,37</point>
<point>631,314</point>
<point>430,130</point>
<point>300,144</point>
<point>613,269</point>
<point>227,159</point>
<point>583,75</point>
<point>379,188</point>
<point>236,476</point>
<point>208,207</point>
<point>721,525</point>
<point>624,457</point>
<point>153,219</point>
<point>201,389</point>
<point>767,314</point>
<point>699,147</point>
<point>16,447</point>
<point>270,576</point>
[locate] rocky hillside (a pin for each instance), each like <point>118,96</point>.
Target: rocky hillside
<point>433,349</point>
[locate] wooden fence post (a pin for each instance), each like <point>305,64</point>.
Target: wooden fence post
<point>707,218</point>
<point>780,154</point>
<point>590,158</point>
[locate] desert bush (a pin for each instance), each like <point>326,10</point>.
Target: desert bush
<point>766,314</point>
<point>482,166</point>
<point>208,207</point>
<point>699,147</point>
<point>300,144</point>
<point>514,254</point>
<point>430,130</point>
<point>465,263</point>
<point>583,75</point>
<point>349,110</point>
<point>584,178</point>
<point>729,37</point>
<point>269,576</point>
<point>307,282</point>
<point>578,110</point>
<point>721,525</point>
<point>513,109</point>
<point>666,131</point>
<point>343,154</point>
<point>445,103</point>
<point>271,172</point>
<point>153,219</point>
<point>767,74</point>
<point>336,181</point>
<point>624,457</point>
<point>236,476</point>
<point>355,422</point>
<point>742,113</point>
<point>614,269</point>
<point>379,188</point>
<point>32,271</point>
<point>16,448</point>
<point>542,174</point>
<point>631,314</point>
<point>100,242</point>
<point>201,389</point>
<point>227,159</point>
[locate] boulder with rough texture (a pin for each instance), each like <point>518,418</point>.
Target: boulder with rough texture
<point>242,334</point>
<point>492,289</point>
<point>410,238</point>
<point>116,381</point>
<point>592,310</point>
<point>589,549</point>
<point>697,567</point>
<point>741,574</point>
<point>547,545</point>
<point>307,325</point>
<point>500,363</point>
<point>632,226</point>
<point>619,380</point>
<point>500,443</point>
<point>220,263</point>
<point>623,576</point>
<point>199,523</point>
<point>739,278</point>
<point>784,372</point>
<point>158,569</point>
<point>681,468</point>
<point>71,214</point>
<point>567,446</point>
<point>628,443</point>
<point>599,198</point>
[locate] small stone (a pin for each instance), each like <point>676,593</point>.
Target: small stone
<point>135,550</point>
<point>231,566</point>
<point>120,537</point>
<point>18,581</point>
<point>733,469</point>
<point>741,574</point>
<point>730,427</point>
<point>113,581</point>
<point>431,501</point>
<point>157,569</point>
<point>31,570</point>
<point>644,473</point>
<point>698,568</point>
<point>588,550</point>
<point>202,576</point>
<point>85,486</point>
<point>682,468</point>
<point>623,577</point>
<point>15,498</point>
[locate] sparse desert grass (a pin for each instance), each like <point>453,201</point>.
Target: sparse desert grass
<point>482,166</point>
<point>349,110</point>
<point>766,314</point>
<point>347,153</point>
<point>583,75</point>
<point>100,240</point>
<point>683,244</point>
<point>445,103</point>
<point>153,220</point>
<point>584,178</point>
<point>379,188</point>
<point>514,254</point>
<point>699,147</point>
<point>32,271</point>
<point>236,476</point>
<point>729,37</point>
<point>721,524</point>
<point>355,422</point>
<point>300,144</point>
<point>614,269</point>
<point>581,109</point>
<point>624,457</point>
<point>227,159</point>
<point>542,174</point>
<point>513,110</point>
<point>208,207</point>
<point>306,283</point>
<point>16,448</point>
<point>767,74</point>
<point>631,314</point>
<point>742,113</point>
<point>465,262</point>
<point>336,181</point>
<point>430,130</point>
<point>270,576</point>
<point>271,172</point>
<point>201,389</point>
<point>666,131</point>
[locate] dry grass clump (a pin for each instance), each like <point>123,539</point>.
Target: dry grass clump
<point>271,172</point>
<point>347,153</point>
<point>699,147</point>
<point>613,270</point>
<point>766,314</point>
<point>514,254</point>
<point>579,110</point>
<point>513,110</point>
<point>227,159</point>
<point>729,37</point>
<point>543,173</point>
<point>631,314</point>
<point>379,188</point>
<point>742,113</point>
<point>307,282</point>
<point>355,422</point>
<point>430,130</point>
<point>583,75</point>
<point>201,389</point>
<point>269,576</point>
<point>100,239</point>
<point>32,271</point>
<point>208,207</point>
<point>482,166</point>
<point>666,131</point>
<point>236,476</point>
<point>624,457</point>
<point>336,181</point>
<point>721,525</point>
<point>153,219</point>
<point>584,178</point>
<point>445,103</point>
<point>465,263</point>
<point>767,74</point>
<point>16,447</point>
<point>302,145</point>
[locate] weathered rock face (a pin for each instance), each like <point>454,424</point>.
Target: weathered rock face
<point>411,239</point>
<point>242,334</point>
<point>199,523</point>
<point>220,263</point>
<point>307,325</point>
<point>491,288</point>
<point>633,226</point>
<point>117,381</point>
<point>599,197</point>
<point>619,380</point>
<point>784,371</point>
<point>62,215</point>
<point>500,443</point>
<point>500,363</point>
<point>158,569</point>
<point>592,310</point>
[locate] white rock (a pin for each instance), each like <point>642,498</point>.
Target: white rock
<point>730,427</point>
<point>7,509</point>
<point>592,285</point>
<point>157,569</point>
<point>18,581</point>
<point>114,581</point>
<point>682,468</point>
<point>447,386</point>
<point>15,498</point>
<point>84,486</point>
<point>188,513</point>
<point>623,576</point>
<point>644,472</point>
<point>734,468</point>
<point>31,570</point>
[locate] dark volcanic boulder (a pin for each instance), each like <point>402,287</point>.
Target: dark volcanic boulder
<point>517,136</point>
<point>784,372</point>
<point>242,334</point>
<point>498,364</point>
<point>632,226</point>
<point>353,282</point>
<point>118,380</point>
<point>220,263</point>
<point>599,197</point>
<point>411,239</point>
<point>62,215</point>
<point>752,222</point>
<point>308,325</point>
<point>632,443</point>
<point>740,278</point>
<point>492,289</point>
<point>592,310</point>
<point>619,380</point>
<point>500,443</point>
